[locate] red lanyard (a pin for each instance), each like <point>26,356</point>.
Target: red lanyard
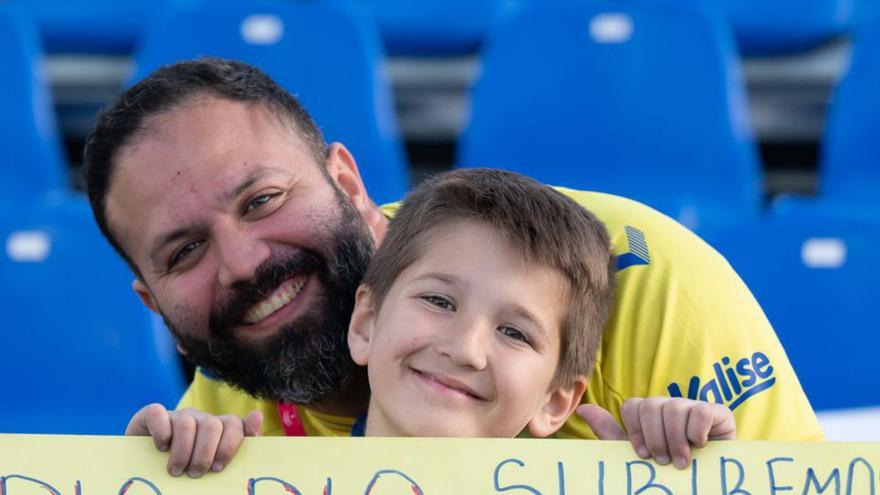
<point>291,421</point>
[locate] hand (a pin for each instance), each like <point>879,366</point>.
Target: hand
<point>198,441</point>
<point>663,427</point>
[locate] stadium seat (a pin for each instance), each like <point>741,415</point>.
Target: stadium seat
<point>807,24</point>
<point>31,163</point>
<point>634,99</point>
<point>327,53</point>
<point>815,274</point>
<point>89,26</point>
<point>850,158</point>
<point>434,27</point>
<point>81,353</point>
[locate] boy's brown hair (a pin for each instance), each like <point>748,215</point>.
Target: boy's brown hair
<point>546,226</point>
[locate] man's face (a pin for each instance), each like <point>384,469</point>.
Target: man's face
<point>248,250</point>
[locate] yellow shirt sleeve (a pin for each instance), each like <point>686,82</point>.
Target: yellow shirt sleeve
<point>683,324</point>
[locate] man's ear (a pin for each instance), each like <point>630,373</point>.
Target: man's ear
<point>343,169</point>
<point>146,296</point>
<point>360,330</point>
<point>560,404</point>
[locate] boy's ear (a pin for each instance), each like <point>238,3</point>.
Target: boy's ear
<point>360,329</point>
<point>560,404</point>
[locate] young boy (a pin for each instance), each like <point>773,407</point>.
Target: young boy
<point>480,316</point>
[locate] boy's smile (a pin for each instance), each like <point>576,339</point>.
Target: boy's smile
<point>465,343</point>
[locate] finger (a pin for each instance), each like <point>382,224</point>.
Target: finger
<point>209,430</point>
<point>675,423</point>
<point>233,433</point>
<point>712,422</point>
<point>183,439</point>
<point>253,424</point>
<point>651,419</point>
<point>601,422</point>
<point>152,420</point>
<point>629,413</point>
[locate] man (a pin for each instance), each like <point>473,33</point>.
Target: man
<point>249,235</point>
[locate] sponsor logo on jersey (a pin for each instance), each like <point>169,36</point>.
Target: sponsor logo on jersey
<point>731,383</point>
<point>638,249</point>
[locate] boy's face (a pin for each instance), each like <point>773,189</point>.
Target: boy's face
<point>466,342</point>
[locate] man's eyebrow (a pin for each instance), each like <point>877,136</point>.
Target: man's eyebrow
<point>250,179</point>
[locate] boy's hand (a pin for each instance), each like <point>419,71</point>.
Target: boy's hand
<point>663,427</point>
<point>198,441</point>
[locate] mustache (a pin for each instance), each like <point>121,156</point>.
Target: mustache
<point>268,277</point>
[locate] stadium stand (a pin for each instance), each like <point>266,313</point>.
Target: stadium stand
<point>89,26</point>
<point>327,53</point>
<point>642,100</point>
<point>807,24</point>
<point>30,151</point>
<point>435,27</point>
<point>850,162</point>
<point>812,275</point>
<point>80,352</point>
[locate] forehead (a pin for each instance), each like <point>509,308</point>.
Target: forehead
<point>481,256</point>
<point>189,159</point>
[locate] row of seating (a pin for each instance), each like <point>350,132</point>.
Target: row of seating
<point>447,27</point>
<point>640,98</point>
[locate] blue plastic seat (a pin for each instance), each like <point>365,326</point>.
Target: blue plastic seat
<point>814,272</point>
<point>31,163</point>
<point>638,99</point>
<point>81,354</point>
<point>850,162</point>
<point>760,31</point>
<point>326,53</point>
<point>89,26</point>
<point>434,27</point>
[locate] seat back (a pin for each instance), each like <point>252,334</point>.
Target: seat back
<point>850,158</point>
<point>81,353</point>
<point>30,152</point>
<point>325,53</point>
<point>639,99</point>
<point>815,276</point>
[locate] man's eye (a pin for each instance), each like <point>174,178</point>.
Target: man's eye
<point>439,302</point>
<point>514,333</point>
<point>259,201</point>
<point>183,252</point>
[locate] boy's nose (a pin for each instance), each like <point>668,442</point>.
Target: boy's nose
<point>466,344</point>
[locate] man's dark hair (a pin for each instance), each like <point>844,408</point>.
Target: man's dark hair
<point>166,89</point>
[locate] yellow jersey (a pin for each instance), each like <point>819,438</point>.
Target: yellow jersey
<point>683,324</point>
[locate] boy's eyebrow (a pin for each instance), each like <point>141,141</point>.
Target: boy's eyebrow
<point>442,277</point>
<point>528,315</point>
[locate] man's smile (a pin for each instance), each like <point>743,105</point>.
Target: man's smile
<point>286,293</point>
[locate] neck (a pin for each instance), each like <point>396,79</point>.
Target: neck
<point>352,402</point>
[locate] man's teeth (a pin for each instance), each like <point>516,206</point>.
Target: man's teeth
<point>282,295</point>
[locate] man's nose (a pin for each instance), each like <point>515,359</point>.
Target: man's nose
<point>238,256</point>
<point>467,342</point>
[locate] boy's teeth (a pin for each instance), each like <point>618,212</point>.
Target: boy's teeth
<point>282,295</point>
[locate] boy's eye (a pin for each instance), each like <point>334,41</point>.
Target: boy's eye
<point>514,333</point>
<point>259,201</point>
<point>183,252</point>
<point>439,302</point>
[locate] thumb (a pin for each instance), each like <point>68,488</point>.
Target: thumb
<point>253,424</point>
<point>601,422</point>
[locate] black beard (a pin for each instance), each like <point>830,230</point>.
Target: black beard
<point>307,360</point>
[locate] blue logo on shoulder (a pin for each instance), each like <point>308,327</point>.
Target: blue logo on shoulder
<point>638,249</point>
<point>731,385</point>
